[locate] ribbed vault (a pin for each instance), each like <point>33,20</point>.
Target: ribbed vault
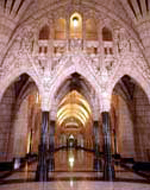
<point>74,112</point>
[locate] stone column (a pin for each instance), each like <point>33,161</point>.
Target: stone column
<point>52,146</point>
<point>109,173</point>
<point>42,168</point>
<point>96,147</point>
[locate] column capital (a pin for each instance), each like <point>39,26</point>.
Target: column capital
<point>105,102</point>
<point>45,103</point>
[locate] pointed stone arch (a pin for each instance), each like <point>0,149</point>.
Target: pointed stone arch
<point>133,72</point>
<point>107,34</point>
<point>131,103</point>
<point>66,73</point>
<point>44,33</point>
<point>13,75</point>
<point>16,88</point>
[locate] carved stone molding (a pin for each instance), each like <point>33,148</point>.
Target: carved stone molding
<point>76,45</point>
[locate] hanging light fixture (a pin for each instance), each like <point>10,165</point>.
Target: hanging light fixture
<point>75,21</point>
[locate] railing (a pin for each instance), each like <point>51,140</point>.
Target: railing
<point>59,47</point>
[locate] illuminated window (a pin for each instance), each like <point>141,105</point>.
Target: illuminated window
<point>76,26</point>
<point>60,29</point>
<point>91,30</point>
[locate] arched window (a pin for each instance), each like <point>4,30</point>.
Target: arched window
<point>107,34</point>
<point>76,26</point>
<point>91,30</point>
<point>44,33</point>
<point>60,29</point>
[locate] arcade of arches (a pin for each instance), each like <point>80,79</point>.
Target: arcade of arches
<point>75,77</point>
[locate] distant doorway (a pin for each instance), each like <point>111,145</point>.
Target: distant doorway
<point>71,141</point>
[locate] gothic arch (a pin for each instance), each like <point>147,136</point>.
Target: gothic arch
<point>133,72</point>
<point>130,100</point>
<point>99,9</point>
<point>18,99</point>
<point>107,34</point>
<point>11,77</point>
<point>137,81</point>
<point>66,73</point>
<point>44,33</point>
<point>44,20</point>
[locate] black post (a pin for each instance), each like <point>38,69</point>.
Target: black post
<point>52,146</point>
<point>97,163</point>
<point>109,173</point>
<point>42,168</point>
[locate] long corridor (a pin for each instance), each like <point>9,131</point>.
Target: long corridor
<point>73,171</point>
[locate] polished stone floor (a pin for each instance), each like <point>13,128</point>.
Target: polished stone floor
<point>73,171</point>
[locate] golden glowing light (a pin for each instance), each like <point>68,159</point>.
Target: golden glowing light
<point>71,159</point>
<point>76,25</point>
<point>73,111</point>
<point>75,21</point>
<point>64,120</point>
<point>73,108</point>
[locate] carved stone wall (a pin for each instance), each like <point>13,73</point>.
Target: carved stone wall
<point>101,63</point>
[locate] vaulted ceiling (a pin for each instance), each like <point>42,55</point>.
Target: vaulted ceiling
<point>74,112</point>
<point>13,13</point>
<point>129,11</point>
<point>135,8</point>
<point>16,7</point>
<point>74,100</point>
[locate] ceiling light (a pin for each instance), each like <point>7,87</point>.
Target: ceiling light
<point>75,21</point>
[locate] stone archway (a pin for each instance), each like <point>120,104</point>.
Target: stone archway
<point>14,74</point>
<point>75,83</point>
<point>131,106</point>
<point>74,64</point>
<point>15,106</point>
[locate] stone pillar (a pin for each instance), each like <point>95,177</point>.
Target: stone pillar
<point>96,147</point>
<point>42,168</point>
<point>109,173</point>
<point>52,146</point>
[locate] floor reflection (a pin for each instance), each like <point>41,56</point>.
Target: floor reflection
<point>74,171</point>
<point>73,160</point>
